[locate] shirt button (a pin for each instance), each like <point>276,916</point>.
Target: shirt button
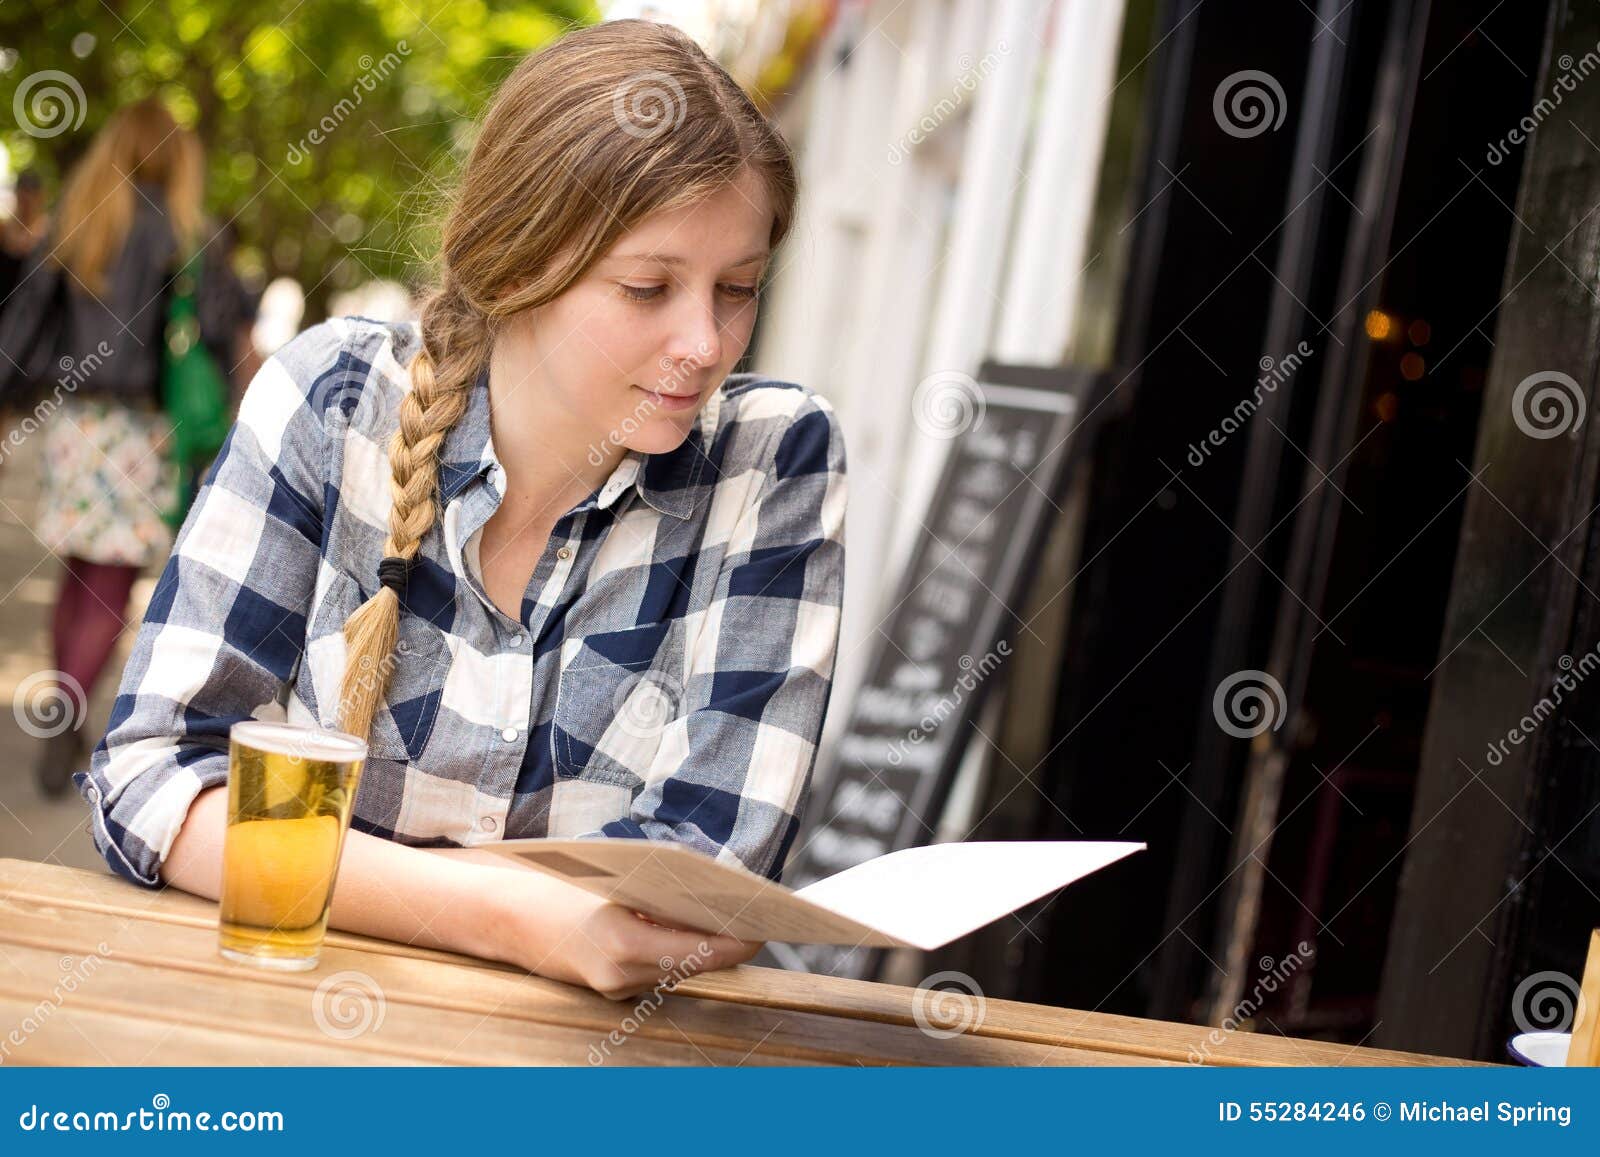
<point>488,823</point>
<point>564,553</point>
<point>516,640</point>
<point>509,734</point>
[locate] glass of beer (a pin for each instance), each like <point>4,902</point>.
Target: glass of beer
<point>290,791</point>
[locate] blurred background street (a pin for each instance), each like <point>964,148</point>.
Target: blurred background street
<point>31,826</point>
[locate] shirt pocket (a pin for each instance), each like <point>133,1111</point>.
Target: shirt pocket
<point>618,692</point>
<point>404,721</point>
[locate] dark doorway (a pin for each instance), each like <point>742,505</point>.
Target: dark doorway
<point>1315,544</point>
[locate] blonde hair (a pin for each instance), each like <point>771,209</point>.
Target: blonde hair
<point>139,142</point>
<point>582,141</point>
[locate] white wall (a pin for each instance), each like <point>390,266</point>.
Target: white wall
<point>947,175</point>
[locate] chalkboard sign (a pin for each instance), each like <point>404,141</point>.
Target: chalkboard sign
<point>948,635</point>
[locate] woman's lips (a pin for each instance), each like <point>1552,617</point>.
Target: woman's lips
<point>671,401</point>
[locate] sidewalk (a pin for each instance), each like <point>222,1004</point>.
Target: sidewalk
<point>31,827</point>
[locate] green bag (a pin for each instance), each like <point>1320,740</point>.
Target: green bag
<point>194,392</point>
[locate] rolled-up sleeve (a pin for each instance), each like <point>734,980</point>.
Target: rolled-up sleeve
<point>731,775</point>
<point>226,624</point>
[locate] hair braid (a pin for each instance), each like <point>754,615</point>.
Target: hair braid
<point>455,344</point>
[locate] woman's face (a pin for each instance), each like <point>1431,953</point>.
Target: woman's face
<point>629,354</point>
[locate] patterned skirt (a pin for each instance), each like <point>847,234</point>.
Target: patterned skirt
<point>106,480</point>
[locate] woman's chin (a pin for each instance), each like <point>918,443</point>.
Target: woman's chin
<point>661,437</point>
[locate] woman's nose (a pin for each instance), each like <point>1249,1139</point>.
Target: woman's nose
<point>697,337</point>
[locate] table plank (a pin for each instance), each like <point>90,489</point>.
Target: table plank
<point>1046,1024</point>
<point>489,1015</point>
<point>383,1029</point>
<point>90,1036</point>
<point>1047,1032</point>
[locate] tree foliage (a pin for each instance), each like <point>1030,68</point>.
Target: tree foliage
<point>330,126</point>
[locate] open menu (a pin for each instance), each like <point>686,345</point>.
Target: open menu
<point>914,898</point>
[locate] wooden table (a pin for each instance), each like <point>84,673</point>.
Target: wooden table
<point>94,970</point>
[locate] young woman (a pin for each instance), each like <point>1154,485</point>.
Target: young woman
<point>94,290</point>
<point>565,573</point>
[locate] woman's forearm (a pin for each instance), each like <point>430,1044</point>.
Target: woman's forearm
<point>472,902</point>
<point>383,889</point>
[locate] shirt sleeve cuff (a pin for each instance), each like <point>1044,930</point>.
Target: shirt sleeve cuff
<point>135,846</point>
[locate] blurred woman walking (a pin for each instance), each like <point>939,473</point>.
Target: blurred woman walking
<point>87,326</point>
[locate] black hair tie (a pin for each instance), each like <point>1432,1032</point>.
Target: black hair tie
<point>392,573</point>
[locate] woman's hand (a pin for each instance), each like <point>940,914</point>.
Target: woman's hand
<point>474,902</point>
<point>556,930</point>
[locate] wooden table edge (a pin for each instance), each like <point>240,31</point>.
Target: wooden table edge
<point>755,985</point>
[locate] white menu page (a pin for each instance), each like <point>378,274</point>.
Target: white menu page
<point>915,898</point>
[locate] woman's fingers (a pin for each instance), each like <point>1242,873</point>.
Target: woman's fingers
<point>641,955</point>
<point>672,950</point>
<point>687,942</point>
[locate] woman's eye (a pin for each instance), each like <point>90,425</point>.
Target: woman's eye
<point>653,292</point>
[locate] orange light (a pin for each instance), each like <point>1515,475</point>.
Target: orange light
<point>1387,406</point>
<point>1412,367</point>
<point>1419,332</point>
<point>1380,326</point>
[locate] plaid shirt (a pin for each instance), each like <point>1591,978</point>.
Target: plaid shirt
<point>667,678</point>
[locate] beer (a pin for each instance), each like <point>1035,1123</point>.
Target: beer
<point>290,791</point>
